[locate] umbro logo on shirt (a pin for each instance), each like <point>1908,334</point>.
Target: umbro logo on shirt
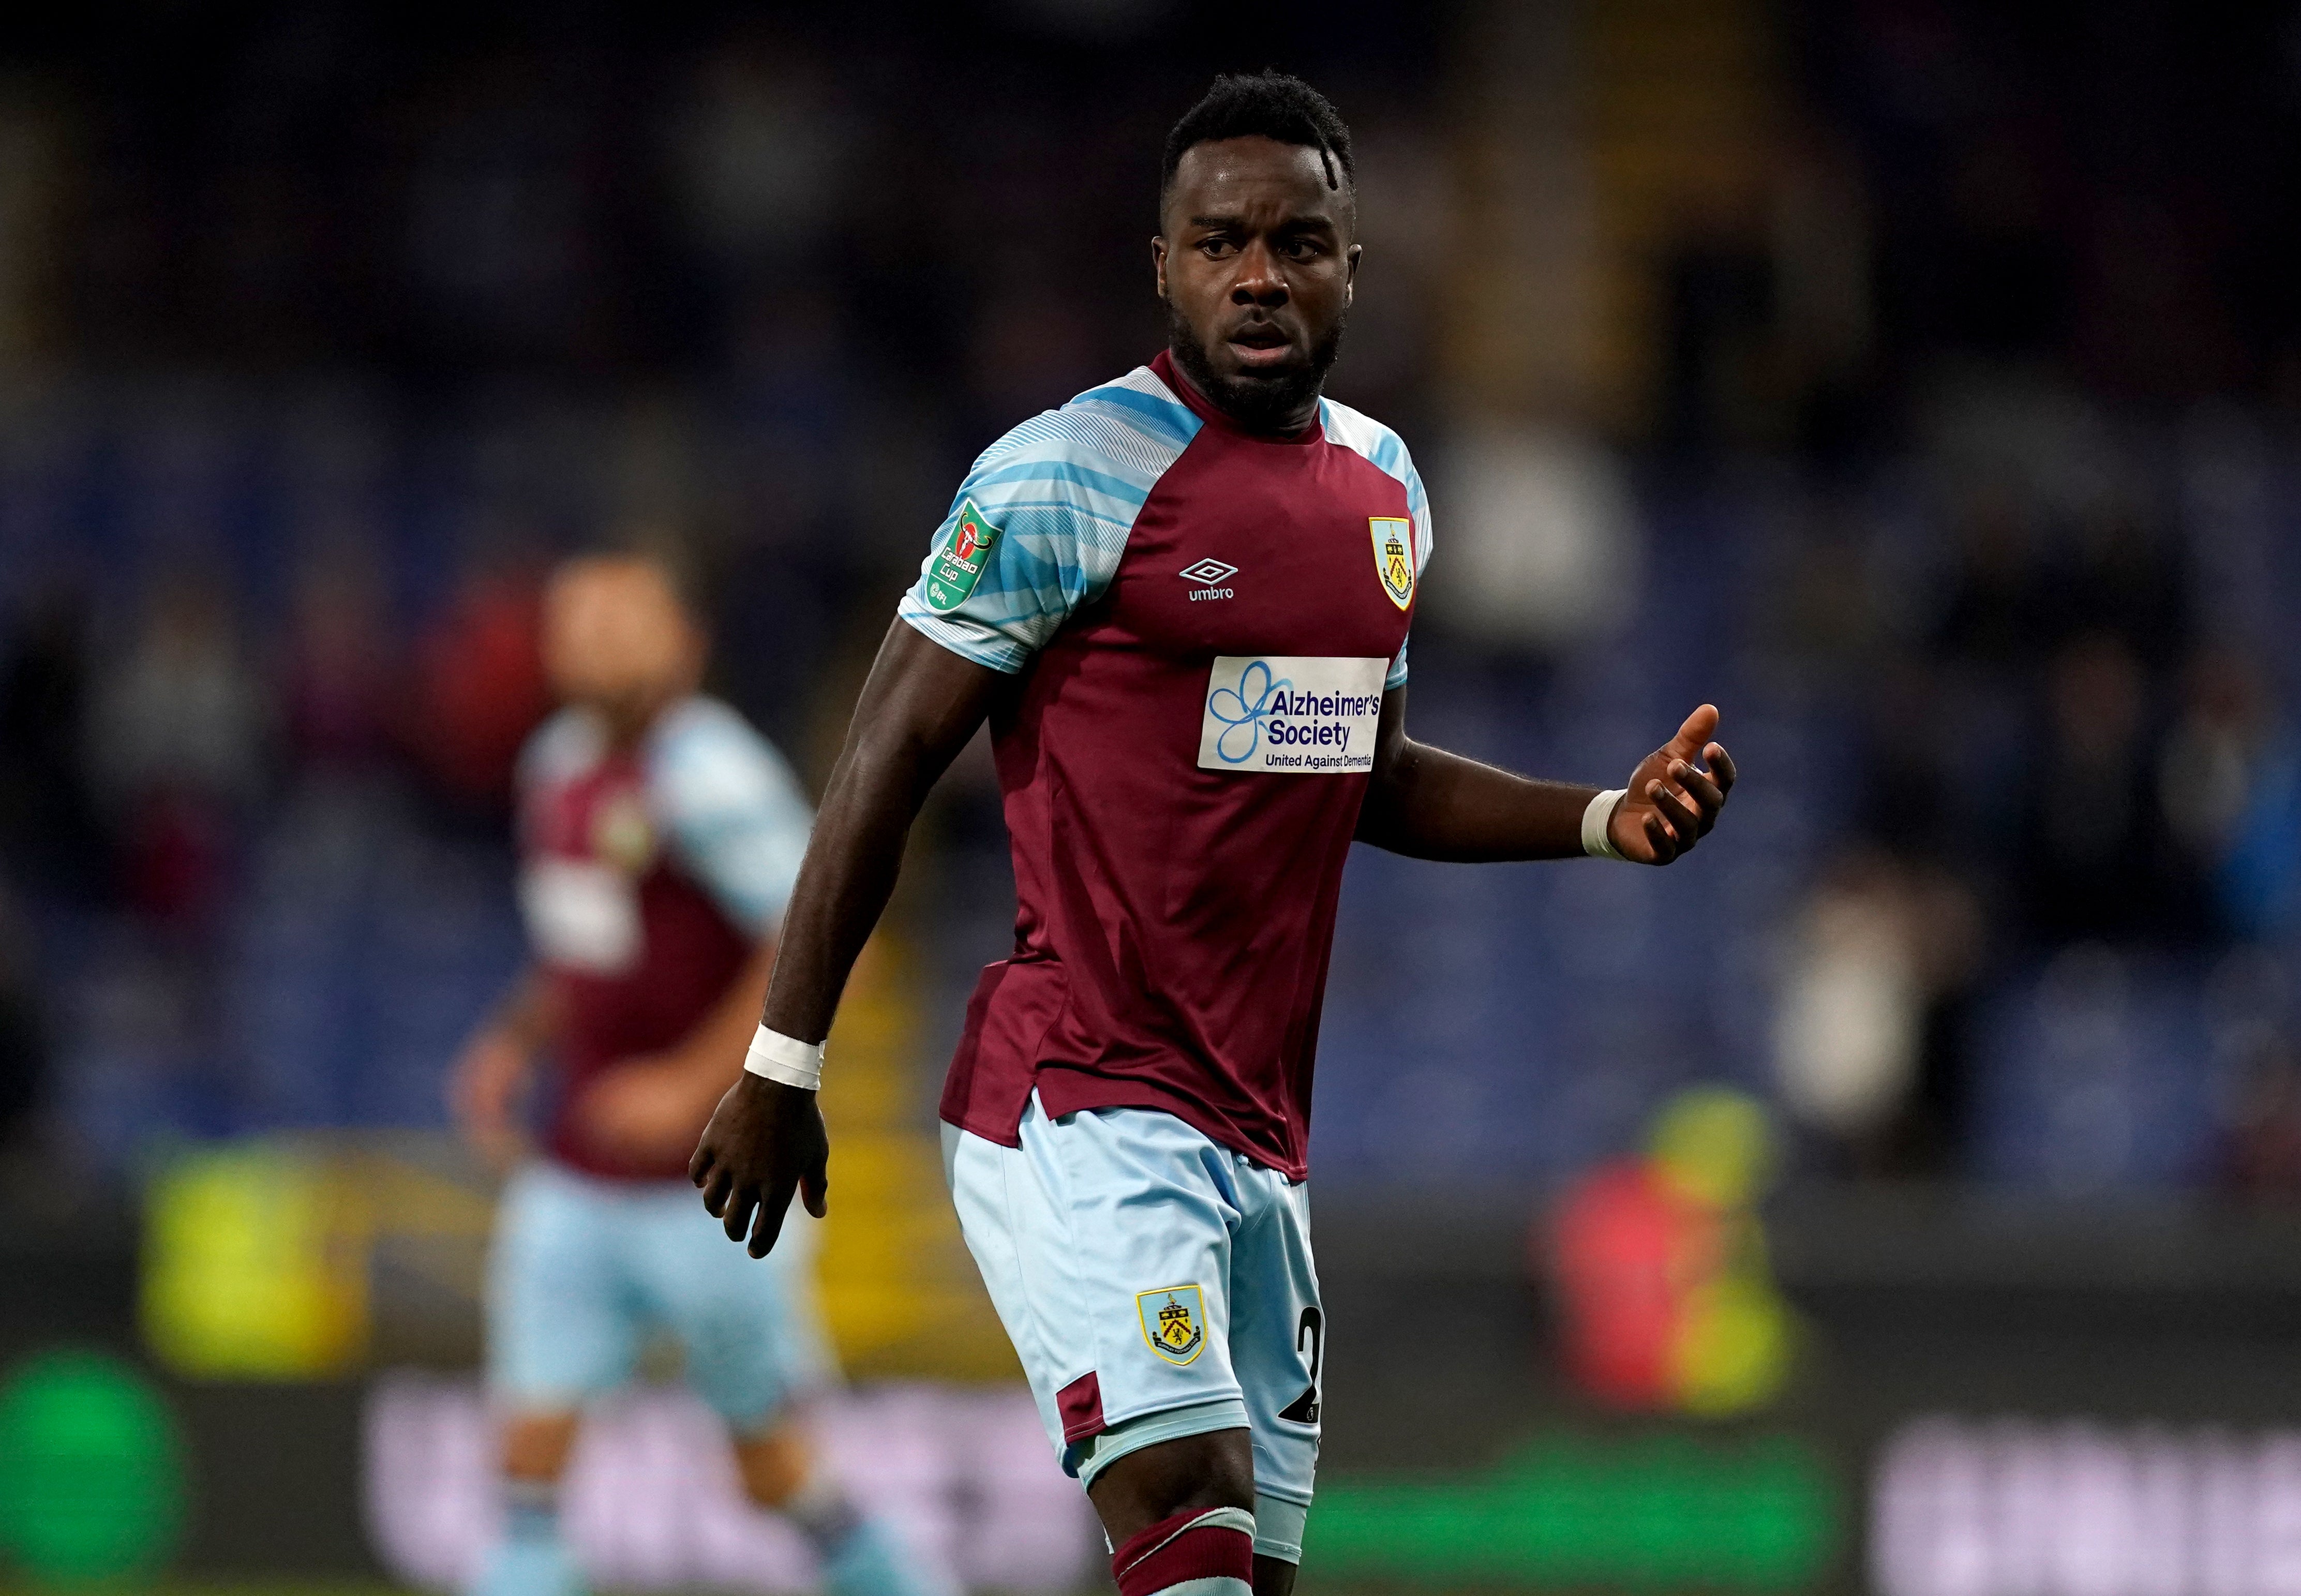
<point>1210,575</point>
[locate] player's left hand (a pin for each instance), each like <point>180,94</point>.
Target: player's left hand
<point>646,1110</point>
<point>1672,802</point>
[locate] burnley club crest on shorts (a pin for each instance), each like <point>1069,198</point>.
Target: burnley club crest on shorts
<point>1173,1322</point>
<point>1394,556</point>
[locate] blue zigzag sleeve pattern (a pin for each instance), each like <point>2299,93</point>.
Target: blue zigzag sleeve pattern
<point>1356,431</point>
<point>1061,492</point>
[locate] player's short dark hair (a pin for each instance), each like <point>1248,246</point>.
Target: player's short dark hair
<point>1271,105</point>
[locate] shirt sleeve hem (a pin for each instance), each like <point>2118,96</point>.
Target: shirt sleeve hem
<point>1001,656</point>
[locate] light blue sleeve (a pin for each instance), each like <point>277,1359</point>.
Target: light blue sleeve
<point>1038,527</point>
<point>1418,505</point>
<point>732,810</point>
<point>1354,430</point>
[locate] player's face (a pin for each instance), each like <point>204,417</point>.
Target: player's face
<point>1256,266</point>
<point>616,639</point>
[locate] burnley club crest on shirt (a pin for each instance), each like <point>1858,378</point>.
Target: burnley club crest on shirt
<point>1173,1322</point>
<point>1394,556</point>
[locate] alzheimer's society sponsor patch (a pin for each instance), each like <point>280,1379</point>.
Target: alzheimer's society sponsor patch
<point>1304,716</point>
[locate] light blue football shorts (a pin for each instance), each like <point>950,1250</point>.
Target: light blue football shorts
<point>1156,1285</point>
<point>583,1269</point>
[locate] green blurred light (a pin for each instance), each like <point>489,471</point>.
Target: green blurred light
<point>91,1470</point>
<point>1568,1510</point>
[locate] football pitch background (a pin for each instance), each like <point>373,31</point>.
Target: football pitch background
<point>2024,1386</point>
<point>259,1373</point>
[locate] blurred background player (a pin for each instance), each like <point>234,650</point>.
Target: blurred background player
<point>659,837</point>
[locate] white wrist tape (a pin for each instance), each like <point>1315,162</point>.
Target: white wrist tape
<point>786,1059</point>
<point>1595,842</point>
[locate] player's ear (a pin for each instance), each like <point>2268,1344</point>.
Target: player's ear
<point>1349,272</point>
<point>1158,263</point>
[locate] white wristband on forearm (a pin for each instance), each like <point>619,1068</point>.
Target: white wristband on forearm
<point>1595,819</point>
<point>786,1058</point>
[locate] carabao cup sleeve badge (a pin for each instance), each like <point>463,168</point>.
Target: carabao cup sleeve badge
<point>958,565</point>
<point>1173,1322</point>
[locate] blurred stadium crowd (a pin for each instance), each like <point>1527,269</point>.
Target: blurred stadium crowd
<point>1917,379</point>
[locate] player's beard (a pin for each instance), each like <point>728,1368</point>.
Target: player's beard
<point>1258,404</point>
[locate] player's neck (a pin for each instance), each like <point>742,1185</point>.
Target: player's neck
<point>628,722</point>
<point>1285,429</point>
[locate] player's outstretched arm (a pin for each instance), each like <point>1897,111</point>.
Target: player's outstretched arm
<point>1428,803</point>
<point>766,1139</point>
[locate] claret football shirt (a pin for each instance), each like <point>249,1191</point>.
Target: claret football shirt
<point>1203,622</point>
<point>647,877</point>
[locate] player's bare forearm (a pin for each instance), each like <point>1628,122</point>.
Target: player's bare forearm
<point>1428,803</point>
<point>919,708</point>
<point>766,1139</point>
<point>1440,805</point>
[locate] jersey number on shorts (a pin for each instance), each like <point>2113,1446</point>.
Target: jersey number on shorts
<point>1304,1408</point>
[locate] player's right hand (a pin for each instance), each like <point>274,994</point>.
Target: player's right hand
<point>764,1142</point>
